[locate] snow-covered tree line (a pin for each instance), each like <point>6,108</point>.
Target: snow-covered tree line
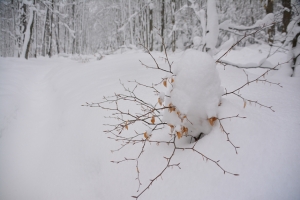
<point>31,28</point>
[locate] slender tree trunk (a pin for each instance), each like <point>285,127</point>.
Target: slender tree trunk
<point>15,29</point>
<point>144,27</point>
<point>162,22</point>
<point>147,28</point>
<point>151,27</point>
<point>19,27</point>
<point>130,23</point>
<point>23,25</point>
<point>286,15</point>
<point>271,31</point>
<point>173,42</point>
<point>45,35</point>
<point>36,34</point>
<point>65,41</point>
<point>50,53</point>
<point>83,29</point>
<point>57,34</point>
<point>28,33</point>
<point>73,24</point>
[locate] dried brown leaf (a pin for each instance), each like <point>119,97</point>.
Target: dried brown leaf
<point>146,135</point>
<point>179,135</point>
<point>212,120</point>
<point>159,101</point>
<point>184,130</point>
<point>165,82</point>
<point>153,120</point>
<point>172,127</point>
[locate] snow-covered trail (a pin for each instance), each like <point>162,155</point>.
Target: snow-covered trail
<point>41,149</point>
<point>52,147</point>
<point>29,134</point>
<point>34,149</point>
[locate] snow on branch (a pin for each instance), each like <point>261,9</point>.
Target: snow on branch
<point>245,35</point>
<point>267,20</point>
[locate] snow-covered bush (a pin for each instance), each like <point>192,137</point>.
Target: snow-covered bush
<point>189,97</point>
<point>195,93</point>
<point>188,105</point>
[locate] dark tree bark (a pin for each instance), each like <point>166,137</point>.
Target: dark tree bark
<point>51,31</point>
<point>286,15</point>
<point>162,22</point>
<point>14,28</point>
<point>73,23</point>
<point>30,36</point>
<point>46,33</point>
<point>57,33</point>
<point>65,41</point>
<point>271,30</point>
<point>23,18</point>
<point>151,28</point>
<point>22,25</point>
<point>28,44</point>
<point>36,33</point>
<point>173,8</point>
<point>147,28</point>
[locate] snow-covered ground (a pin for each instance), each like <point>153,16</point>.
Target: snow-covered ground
<point>52,148</point>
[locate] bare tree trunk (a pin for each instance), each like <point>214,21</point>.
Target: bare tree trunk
<point>162,22</point>
<point>45,36</point>
<point>31,30</point>
<point>286,14</point>
<point>271,31</point>
<point>83,34</point>
<point>130,23</point>
<point>15,29</point>
<point>50,53</point>
<point>73,22</point>
<point>144,26</point>
<point>36,33</point>
<point>151,27</point>
<point>57,34</point>
<point>173,42</point>
<point>147,28</point>
<point>65,41</point>
<point>20,26</point>
<point>28,33</point>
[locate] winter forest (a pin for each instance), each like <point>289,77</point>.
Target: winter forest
<point>149,99</point>
<point>46,28</point>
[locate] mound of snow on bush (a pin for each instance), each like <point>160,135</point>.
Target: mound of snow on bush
<point>196,92</point>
